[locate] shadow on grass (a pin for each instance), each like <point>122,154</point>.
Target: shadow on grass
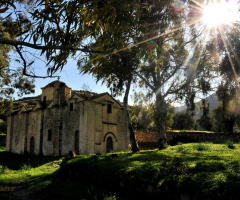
<point>144,175</point>
<point>15,161</point>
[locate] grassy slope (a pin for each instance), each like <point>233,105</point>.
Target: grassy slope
<point>198,171</point>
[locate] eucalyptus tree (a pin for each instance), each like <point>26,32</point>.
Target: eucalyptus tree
<point>156,31</point>
<point>11,78</point>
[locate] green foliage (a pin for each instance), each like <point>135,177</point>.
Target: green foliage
<point>2,149</point>
<point>183,120</point>
<point>180,147</point>
<point>3,169</point>
<point>202,147</point>
<point>222,121</point>
<point>11,79</point>
<point>205,122</point>
<point>141,117</point>
<point>26,166</point>
<point>230,145</point>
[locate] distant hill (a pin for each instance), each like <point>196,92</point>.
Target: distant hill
<point>212,100</point>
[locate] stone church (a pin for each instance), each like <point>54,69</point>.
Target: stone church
<point>64,120</point>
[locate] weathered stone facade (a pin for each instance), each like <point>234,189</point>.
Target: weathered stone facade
<point>65,120</point>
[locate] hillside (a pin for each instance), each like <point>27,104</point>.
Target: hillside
<point>212,100</point>
<point>187,171</point>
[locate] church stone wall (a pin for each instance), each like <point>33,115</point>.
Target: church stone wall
<point>90,135</point>
<point>33,130</point>
<point>48,93</point>
<point>54,129</point>
<point>70,124</point>
<point>48,125</point>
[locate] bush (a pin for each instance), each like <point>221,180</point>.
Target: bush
<point>201,147</point>
<point>230,145</point>
<point>180,148</point>
<point>183,120</point>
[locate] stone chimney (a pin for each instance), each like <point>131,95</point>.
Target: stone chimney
<point>59,93</point>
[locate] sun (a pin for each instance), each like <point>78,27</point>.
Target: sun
<point>216,14</point>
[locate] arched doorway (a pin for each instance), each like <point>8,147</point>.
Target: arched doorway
<point>32,145</point>
<point>109,145</point>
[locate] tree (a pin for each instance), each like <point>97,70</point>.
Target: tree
<point>11,79</point>
<point>57,29</point>
<point>162,51</point>
<point>183,121</point>
<point>141,117</point>
<point>227,113</point>
<point>116,71</point>
<point>205,122</point>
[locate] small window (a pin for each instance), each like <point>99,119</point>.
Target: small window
<point>109,108</point>
<point>44,98</point>
<point>49,135</point>
<point>71,106</point>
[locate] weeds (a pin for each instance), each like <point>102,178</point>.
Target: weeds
<point>26,167</point>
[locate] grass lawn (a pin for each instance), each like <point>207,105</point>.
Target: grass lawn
<point>185,171</point>
<point>2,149</point>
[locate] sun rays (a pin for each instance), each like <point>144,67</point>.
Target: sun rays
<point>219,13</point>
<point>211,17</point>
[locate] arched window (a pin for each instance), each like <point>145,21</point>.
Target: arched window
<point>76,146</point>
<point>109,145</point>
<point>32,145</point>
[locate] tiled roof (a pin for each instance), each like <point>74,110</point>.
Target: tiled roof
<point>86,94</point>
<point>52,84</point>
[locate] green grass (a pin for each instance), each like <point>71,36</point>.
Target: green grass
<point>196,171</point>
<point>2,149</point>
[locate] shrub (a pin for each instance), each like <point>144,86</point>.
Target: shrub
<point>230,145</point>
<point>180,148</point>
<point>201,147</point>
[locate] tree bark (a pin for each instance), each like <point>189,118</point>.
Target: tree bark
<point>134,143</point>
<point>160,114</point>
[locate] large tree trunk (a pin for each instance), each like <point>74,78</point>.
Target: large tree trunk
<point>134,143</point>
<point>160,114</point>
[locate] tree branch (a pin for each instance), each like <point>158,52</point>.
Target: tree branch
<point>145,80</point>
<point>46,47</point>
<point>25,66</point>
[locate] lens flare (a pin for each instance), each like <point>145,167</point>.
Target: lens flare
<point>215,14</point>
